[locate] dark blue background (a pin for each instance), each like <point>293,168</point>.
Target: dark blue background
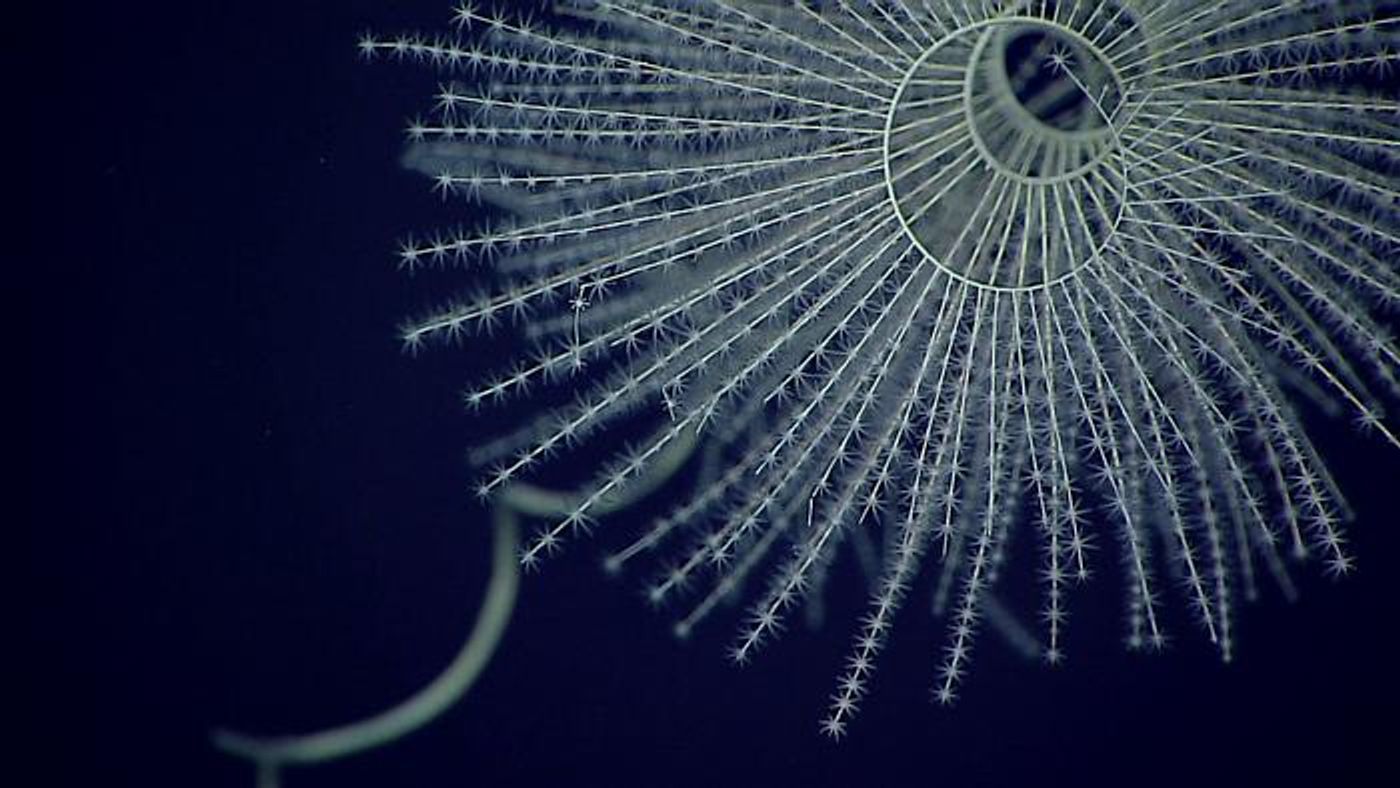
<point>249,508</point>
